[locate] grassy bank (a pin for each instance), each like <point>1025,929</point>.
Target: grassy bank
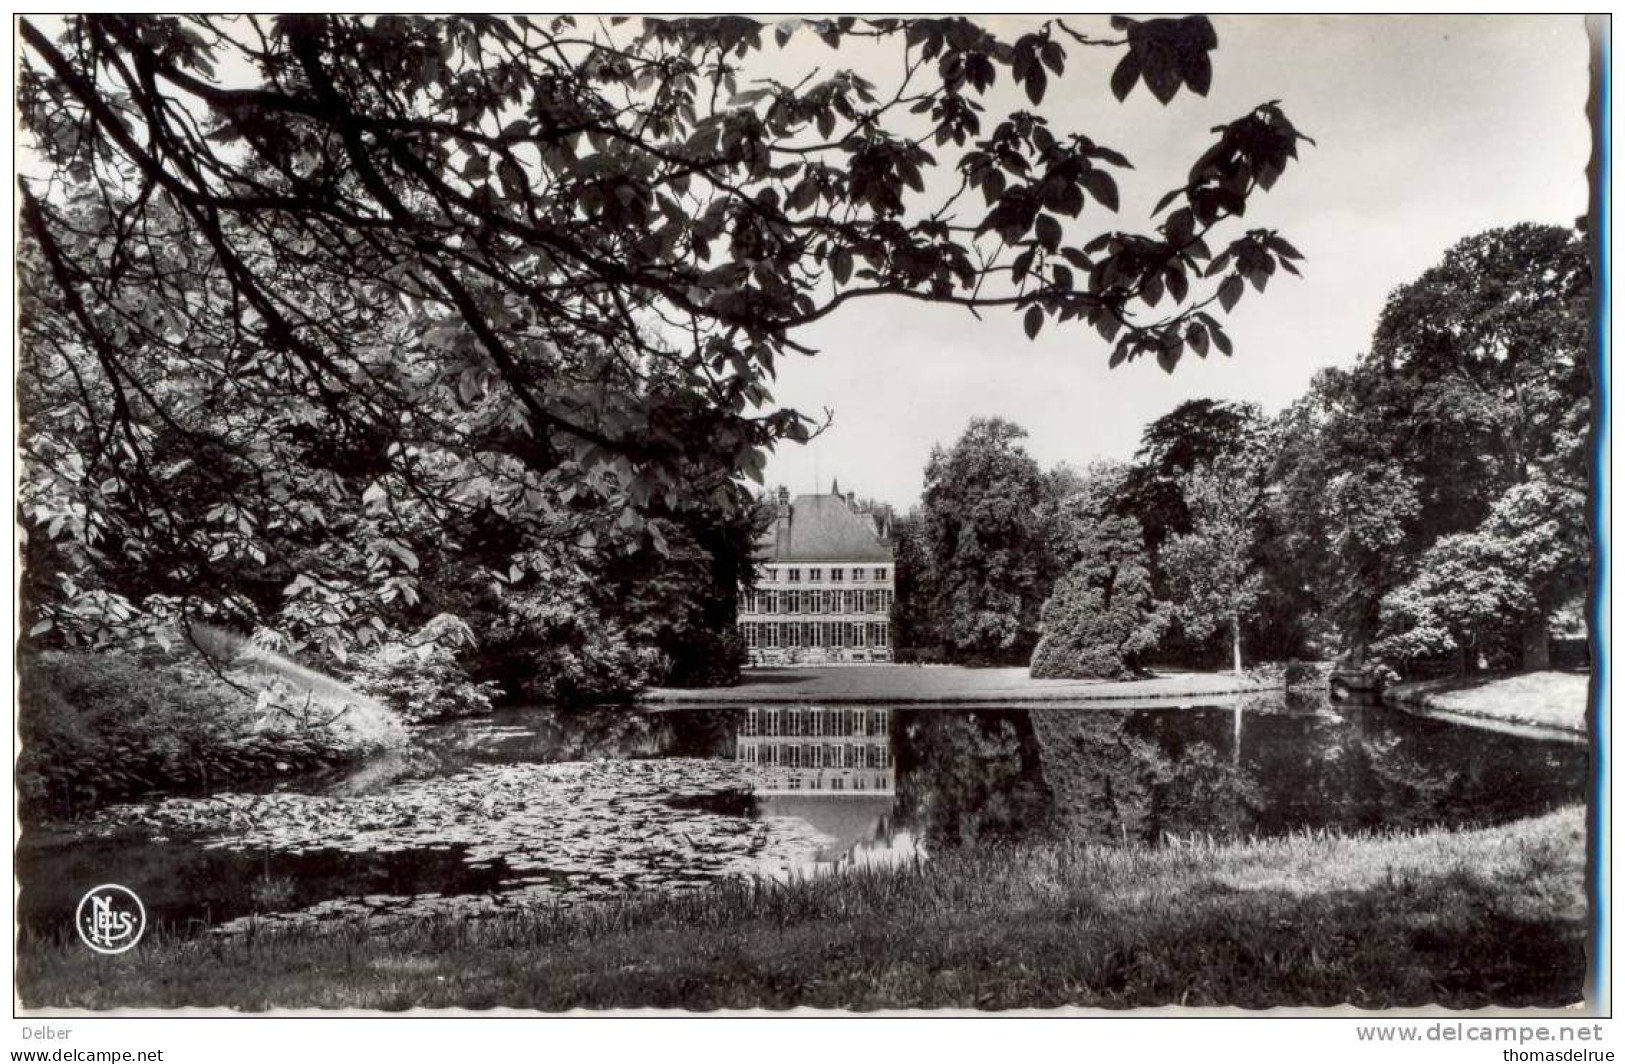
<point>1465,919</point>
<point>1548,699</point>
<point>944,683</point>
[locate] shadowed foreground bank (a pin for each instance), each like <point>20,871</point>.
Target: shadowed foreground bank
<point>1465,919</point>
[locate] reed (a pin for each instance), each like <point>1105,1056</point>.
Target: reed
<point>1462,918</point>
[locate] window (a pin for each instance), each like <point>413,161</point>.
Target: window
<point>880,573</point>
<point>794,576</point>
<point>837,575</point>
<point>815,575</point>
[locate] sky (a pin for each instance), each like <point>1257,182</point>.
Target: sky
<point>1429,129</point>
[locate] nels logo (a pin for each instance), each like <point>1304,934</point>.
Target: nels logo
<point>110,918</point>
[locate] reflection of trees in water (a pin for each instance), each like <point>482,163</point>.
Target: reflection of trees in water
<point>1403,787</point>
<point>1110,783</point>
<point>1137,775</point>
<point>1207,792</point>
<point>592,732</point>
<point>967,776</point>
<point>1104,779</point>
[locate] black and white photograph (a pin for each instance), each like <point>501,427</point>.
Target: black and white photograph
<point>936,514</point>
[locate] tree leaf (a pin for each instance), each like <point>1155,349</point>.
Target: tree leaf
<point>1198,71</point>
<point>842,265</point>
<point>1035,83</point>
<point>1033,321</point>
<point>1103,187</point>
<point>1125,75</point>
<point>1230,292</point>
<point>1048,232</point>
<point>1160,75</point>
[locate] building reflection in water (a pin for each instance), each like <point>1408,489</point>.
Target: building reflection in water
<point>832,767</point>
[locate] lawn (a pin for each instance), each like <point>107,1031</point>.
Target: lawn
<point>1465,919</point>
<point>944,683</point>
<point>1549,699</point>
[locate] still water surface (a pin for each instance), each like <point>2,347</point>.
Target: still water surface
<point>559,806</point>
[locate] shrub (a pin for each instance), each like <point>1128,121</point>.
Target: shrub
<point>101,726</point>
<point>421,678</point>
<point>1303,674</point>
<point>551,644</point>
<point>708,659</point>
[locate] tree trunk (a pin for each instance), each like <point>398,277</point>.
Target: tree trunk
<point>1235,642</point>
<point>1537,648</point>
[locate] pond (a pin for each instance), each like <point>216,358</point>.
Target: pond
<point>548,806</point>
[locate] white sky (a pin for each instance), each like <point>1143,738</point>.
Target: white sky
<point>1429,128</point>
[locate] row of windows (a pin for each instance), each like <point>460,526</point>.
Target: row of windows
<point>813,755</point>
<point>770,635</point>
<point>815,720</point>
<point>838,783</point>
<point>866,600</point>
<point>837,574</point>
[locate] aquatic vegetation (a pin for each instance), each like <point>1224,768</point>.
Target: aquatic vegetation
<point>556,833</point>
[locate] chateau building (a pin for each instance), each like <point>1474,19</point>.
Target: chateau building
<point>825,584</point>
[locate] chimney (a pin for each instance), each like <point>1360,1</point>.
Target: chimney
<point>784,501</point>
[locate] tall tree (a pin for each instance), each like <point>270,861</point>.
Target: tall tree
<point>1492,591</point>
<point>1477,385</point>
<point>1195,433</point>
<point>913,621</point>
<point>1211,568</point>
<point>988,552</point>
<point>561,255</point>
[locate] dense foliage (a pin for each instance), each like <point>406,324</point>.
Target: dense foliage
<point>1211,567</point>
<point>99,727</point>
<point>1102,618</point>
<point>331,324</point>
<point>988,554</point>
<point>1426,506</point>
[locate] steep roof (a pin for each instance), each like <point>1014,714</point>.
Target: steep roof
<point>822,528</point>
